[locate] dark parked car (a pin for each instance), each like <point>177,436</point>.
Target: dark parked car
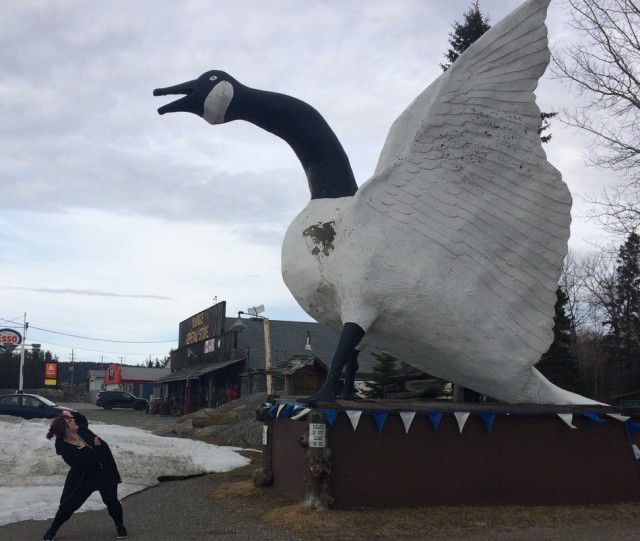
<point>120,399</point>
<point>30,406</point>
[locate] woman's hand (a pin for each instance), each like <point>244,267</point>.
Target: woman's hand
<point>96,441</point>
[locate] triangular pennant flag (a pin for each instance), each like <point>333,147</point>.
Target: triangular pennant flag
<point>632,428</point>
<point>280,408</point>
<point>461,417</point>
<point>636,451</point>
<point>330,415</point>
<point>567,418</point>
<point>380,417</point>
<point>354,417</point>
<point>288,410</point>
<point>619,417</point>
<point>488,419</point>
<point>301,414</point>
<point>434,417</point>
<point>594,417</point>
<point>407,419</point>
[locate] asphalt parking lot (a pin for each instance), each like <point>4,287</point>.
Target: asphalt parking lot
<point>122,416</point>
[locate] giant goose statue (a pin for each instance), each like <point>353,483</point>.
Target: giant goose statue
<point>448,257</point>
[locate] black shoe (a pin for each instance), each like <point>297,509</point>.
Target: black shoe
<point>122,532</point>
<point>50,535</point>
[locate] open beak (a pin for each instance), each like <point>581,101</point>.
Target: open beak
<point>190,103</point>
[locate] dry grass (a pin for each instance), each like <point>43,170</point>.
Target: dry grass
<point>441,522</point>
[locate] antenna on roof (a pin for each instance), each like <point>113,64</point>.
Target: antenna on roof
<point>255,310</point>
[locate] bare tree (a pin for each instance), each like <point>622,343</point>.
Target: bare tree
<point>604,68</point>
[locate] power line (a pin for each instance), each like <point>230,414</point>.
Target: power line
<point>94,339</point>
<point>94,350</point>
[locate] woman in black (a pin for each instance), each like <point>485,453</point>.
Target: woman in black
<point>92,467</point>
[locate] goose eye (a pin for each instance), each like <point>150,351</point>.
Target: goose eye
<point>213,78</point>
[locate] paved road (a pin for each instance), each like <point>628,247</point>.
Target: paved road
<point>123,417</point>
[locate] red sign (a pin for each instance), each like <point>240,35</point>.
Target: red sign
<point>50,370</point>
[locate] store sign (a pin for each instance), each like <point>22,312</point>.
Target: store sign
<point>50,374</point>
<point>9,337</point>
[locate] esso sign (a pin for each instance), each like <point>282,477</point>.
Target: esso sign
<point>9,337</point>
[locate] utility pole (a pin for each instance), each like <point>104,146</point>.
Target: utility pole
<point>71,368</point>
<point>25,326</point>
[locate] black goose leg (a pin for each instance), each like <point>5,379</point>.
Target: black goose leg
<point>350,337</point>
<point>349,391</point>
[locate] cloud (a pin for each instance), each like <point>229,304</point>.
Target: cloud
<point>101,195</point>
<point>88,292</point>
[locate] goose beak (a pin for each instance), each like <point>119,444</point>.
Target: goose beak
<point>192,102</point>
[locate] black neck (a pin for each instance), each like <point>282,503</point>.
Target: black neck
<point>324,160</point>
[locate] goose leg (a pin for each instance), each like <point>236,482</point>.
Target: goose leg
<point>350,337</point>
<point>349,390</point>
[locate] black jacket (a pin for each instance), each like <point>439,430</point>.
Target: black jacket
<point>92,467</point>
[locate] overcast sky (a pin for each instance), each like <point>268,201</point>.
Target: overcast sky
<point>117,223</point>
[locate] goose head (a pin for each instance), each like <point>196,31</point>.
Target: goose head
<point>219,98</point>
<point>209,96</point>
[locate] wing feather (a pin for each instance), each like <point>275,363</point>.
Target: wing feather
<point>464,167</point>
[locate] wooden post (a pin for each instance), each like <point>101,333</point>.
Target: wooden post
<point>318,458</point>
<point>263,477</point>
<point>267,354</point>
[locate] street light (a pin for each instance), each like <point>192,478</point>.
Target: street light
<point>239,326</point>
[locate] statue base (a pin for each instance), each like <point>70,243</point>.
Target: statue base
<point>460,454</point>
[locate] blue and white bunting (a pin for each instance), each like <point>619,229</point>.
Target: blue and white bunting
<point>619,417</point>
<point>461,417</point>
<point>632,428</point>
<point>300,414</point>
<point>354,417</point>
<point>407,418</point>
<point>488,419</point>
<point>567,418</point>
<point>435,417</point>
<point>330,415</point>
<point>380,417</point>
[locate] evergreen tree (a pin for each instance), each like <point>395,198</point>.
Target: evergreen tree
<point>622,343</point>
<point>559,364</point>
<point>464,34</point>
<point>382,371</point>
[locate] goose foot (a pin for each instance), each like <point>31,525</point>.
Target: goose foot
<point>345,354</point>
<point>324,395</point>
<point>349,396</point>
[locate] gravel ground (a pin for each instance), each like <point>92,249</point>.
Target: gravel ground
<point>226,506</point>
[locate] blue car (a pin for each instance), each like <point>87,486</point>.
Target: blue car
<point>30,406</point>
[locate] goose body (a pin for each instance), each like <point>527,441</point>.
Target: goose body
<point>449,256</point>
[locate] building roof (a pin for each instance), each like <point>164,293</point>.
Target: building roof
<point>95,374</point>
<point>296,362</point>
<point>196,371</point>
<point>288,338</point>
<point>143,373</point>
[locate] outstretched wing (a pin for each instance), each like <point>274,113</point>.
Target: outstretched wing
<point>464,166</point>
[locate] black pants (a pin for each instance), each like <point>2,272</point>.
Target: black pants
<point>80,494</point>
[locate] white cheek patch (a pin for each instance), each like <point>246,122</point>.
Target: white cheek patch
<point>217,102</point>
